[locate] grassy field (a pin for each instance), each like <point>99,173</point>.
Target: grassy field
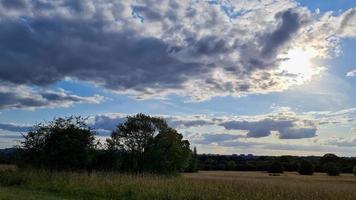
<point>204,185</point>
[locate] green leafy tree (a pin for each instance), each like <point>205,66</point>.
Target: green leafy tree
<point>332,169</point>
<point>132,137</point>
<point>62,144</point>
<point>193,162</point>
<point>329,157</point>
<point>168,152</point>
<point>146,143</point>
<point>305,168</point>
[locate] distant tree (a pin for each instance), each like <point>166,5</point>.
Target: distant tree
<point>193,162</point>
<point>167,153</point>
<point>209,164</point>
<point>231,165</point>
<point>329,157</point>
<point>354,170</point>
<point>275,167</point>
<point>305,168</point>
<point>331,169</point>
<point>133,136</point>
<point>62,144</point>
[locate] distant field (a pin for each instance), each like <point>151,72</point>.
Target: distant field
<point>203,185</point>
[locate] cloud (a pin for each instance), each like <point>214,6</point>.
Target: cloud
<point>107,122</point>
<point>342,142</point>
<point>23,97</point>
<point>215,138</point>
<point>287,128</point>
<point>15,127</point>
<point>345,116</point>
<point>290,22</point>
<point>13,4</point>
<point>154,48</point>
<point>288,125</point>
<point>351,73</point>
<point>347,22</point>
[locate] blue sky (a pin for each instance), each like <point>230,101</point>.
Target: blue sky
<point>274,77</point>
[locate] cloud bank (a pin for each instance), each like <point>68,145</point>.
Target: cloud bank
<point>198,49</point>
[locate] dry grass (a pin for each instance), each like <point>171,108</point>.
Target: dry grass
<point>7,167</point>
<point>202,185</point>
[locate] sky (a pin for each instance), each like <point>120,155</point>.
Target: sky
<point>269,77</point>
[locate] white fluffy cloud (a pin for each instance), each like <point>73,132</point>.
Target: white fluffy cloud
<point>351,73</point>
<point>199,49</point>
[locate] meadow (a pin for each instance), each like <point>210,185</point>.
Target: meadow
<point>209,185</point>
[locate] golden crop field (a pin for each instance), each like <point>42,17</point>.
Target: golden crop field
<point>212,185</point>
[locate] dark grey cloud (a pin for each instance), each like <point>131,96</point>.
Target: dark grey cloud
<point>174,122</point>
<point>58,48</point>
<point>13,4</point>
<point>145,48</point>
<point>287,128</point>
<point>290,22</point>
<point>15,127</point>
<point>297,133</point>
<point>108,123</point>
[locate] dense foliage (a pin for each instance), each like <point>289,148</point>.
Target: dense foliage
<point>305,168</point>
<point>332,169</point>
<point>262,163</point>
<point>275,167</point>
<point>63,144</point>
<point>141,144</point>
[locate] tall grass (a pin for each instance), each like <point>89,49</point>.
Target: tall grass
<point>204,186</point>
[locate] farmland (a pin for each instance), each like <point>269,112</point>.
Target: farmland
<point>15,184</point>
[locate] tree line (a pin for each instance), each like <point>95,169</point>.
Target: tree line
<point>140,144</point>
<point>329,163</point>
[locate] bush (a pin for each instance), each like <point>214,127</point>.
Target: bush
<point>305,168</point>
<point>275,168</point>
<point>64,143</point>
<point>354,170</point>
<point>331,169</point>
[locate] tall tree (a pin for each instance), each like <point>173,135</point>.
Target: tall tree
<point>132,137</point>
<point>168,152</point>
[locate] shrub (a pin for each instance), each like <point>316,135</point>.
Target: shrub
<point>331,169</point>
<point>64,143</point>
<point>305,168</point>
<point>275,167</point>
<point>354,170</point>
